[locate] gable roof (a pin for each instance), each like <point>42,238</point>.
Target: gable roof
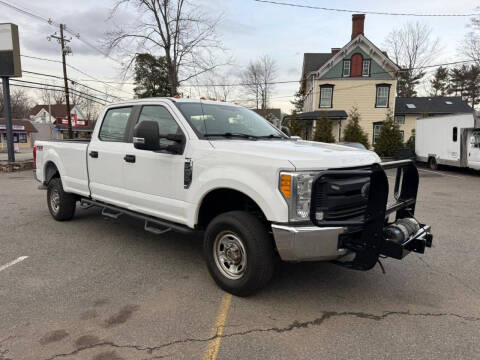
<point>314,61</point>
<point>29,127</point>
<point>431,105</point>
<point>57,110</point>
<point>360,40</point>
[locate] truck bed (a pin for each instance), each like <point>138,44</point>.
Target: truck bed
<point>70,157</point>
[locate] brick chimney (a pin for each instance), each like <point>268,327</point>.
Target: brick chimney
<point>335,50</point>
<point>358,21</point>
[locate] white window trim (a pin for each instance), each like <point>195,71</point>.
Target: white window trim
<point>349,62</point>
<point>366,61</point>
<point>387,98</point>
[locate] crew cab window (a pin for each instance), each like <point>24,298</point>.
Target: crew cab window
<point>114,124</point>
<point>166,122</point>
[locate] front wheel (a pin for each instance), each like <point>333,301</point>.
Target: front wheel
<point>239,252</point>
<point>60,203</point>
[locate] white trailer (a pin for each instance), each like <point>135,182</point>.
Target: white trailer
<point>448,140</point>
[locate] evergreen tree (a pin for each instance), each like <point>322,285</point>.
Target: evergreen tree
<point>297,127</point>
<point>299,100</point>
<point>353,132</point>
<point>323,131</point>
<point>440,82</point>
<point>390,138</point>
<point>407,81</point>
<point>458,81</point>
<point>151,76</point>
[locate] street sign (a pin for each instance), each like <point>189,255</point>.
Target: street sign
<point>10,64</point>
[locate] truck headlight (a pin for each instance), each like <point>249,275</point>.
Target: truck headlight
<point>296,188</point>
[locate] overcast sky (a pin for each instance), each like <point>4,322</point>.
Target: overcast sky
<point>249,30</point>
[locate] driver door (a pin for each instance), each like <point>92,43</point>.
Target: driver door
<point>154,179</point>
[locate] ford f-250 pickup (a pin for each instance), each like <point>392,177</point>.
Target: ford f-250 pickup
<point>198,165</point>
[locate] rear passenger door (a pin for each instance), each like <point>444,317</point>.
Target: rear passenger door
<point>105,156</point>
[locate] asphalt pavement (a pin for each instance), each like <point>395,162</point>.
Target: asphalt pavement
<point>104,289</point>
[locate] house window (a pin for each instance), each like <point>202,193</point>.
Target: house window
<point>346,68</point>
<point>377,126</point>
<point>400,119</point>
<point>403,135</point>
<point>366,68</point>
<point>326,96</point>
<point>383,92</point>
<point>455,134</point>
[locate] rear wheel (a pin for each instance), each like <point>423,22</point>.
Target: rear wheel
<point>432,163</point>
<point>60,203</point>
<point>239,252</point>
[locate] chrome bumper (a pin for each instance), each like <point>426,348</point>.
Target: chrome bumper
<point>307,243</point>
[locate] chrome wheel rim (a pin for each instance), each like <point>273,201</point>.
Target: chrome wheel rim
<point>230,255</point>
<point>55,201</point>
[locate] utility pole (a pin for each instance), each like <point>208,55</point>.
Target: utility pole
<point>65,51</point>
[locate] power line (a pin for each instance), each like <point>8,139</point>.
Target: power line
<point>75,91</point>
<point>364,11</point>
<point>73,81</point>
<point>78,70</point>
<point>55,89</point>
<point>51,22</point>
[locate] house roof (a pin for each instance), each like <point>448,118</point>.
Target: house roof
<point>28,126</point>
<point>315,115</point>
<point>431,105</point>
<point>314,61</point>
<point>264,112</point>
<point>57,110</point>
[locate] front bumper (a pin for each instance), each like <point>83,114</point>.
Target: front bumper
<point>308,243</point>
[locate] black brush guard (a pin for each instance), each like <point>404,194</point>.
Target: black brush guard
<point>364,234</point>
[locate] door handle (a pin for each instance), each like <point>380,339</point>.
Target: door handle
<point>93,154</point>
<point>129,158</point>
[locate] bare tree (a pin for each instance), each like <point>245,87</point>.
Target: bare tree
<point>20,104</point>
<point>51,96</point>
<point>470,46</point>
<point>257,81</point>
<point>411,47</point>
<point>176,29</point>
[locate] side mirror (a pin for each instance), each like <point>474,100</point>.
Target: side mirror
<point>145,136</point>
<point>286,130</point>
<point>179,145</point>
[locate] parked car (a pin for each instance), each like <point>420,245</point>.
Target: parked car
<point>191,165</point>
<point>448,140</point>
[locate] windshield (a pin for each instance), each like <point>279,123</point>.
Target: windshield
<point>228,121</point>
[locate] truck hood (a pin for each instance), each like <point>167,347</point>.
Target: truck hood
<point>304,155</point>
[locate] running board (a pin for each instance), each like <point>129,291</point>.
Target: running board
<point>151,223</point>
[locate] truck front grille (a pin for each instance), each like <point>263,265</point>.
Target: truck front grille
<point>341,197</point>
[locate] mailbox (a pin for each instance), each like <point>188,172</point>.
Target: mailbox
<point>9,51</point>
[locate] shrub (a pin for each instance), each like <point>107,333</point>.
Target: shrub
<point>353,132</point>
<point>390,138</point>
<point>297,127</point>
<point>323,131</point>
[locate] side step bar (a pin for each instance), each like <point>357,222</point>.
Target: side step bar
<point>152,224</point>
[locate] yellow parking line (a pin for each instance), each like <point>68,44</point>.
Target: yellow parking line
<point>214,344</point>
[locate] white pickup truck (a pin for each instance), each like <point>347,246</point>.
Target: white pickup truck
<point>257,194</point>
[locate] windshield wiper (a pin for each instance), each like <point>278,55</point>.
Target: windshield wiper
<point>271,136</point>
<point>233,135</point>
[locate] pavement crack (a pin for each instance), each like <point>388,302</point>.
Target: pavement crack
<point>326,315</point>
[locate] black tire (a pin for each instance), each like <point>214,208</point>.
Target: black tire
<point>62,207</point>
<point>258,246</point>
<point>432,163</point>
